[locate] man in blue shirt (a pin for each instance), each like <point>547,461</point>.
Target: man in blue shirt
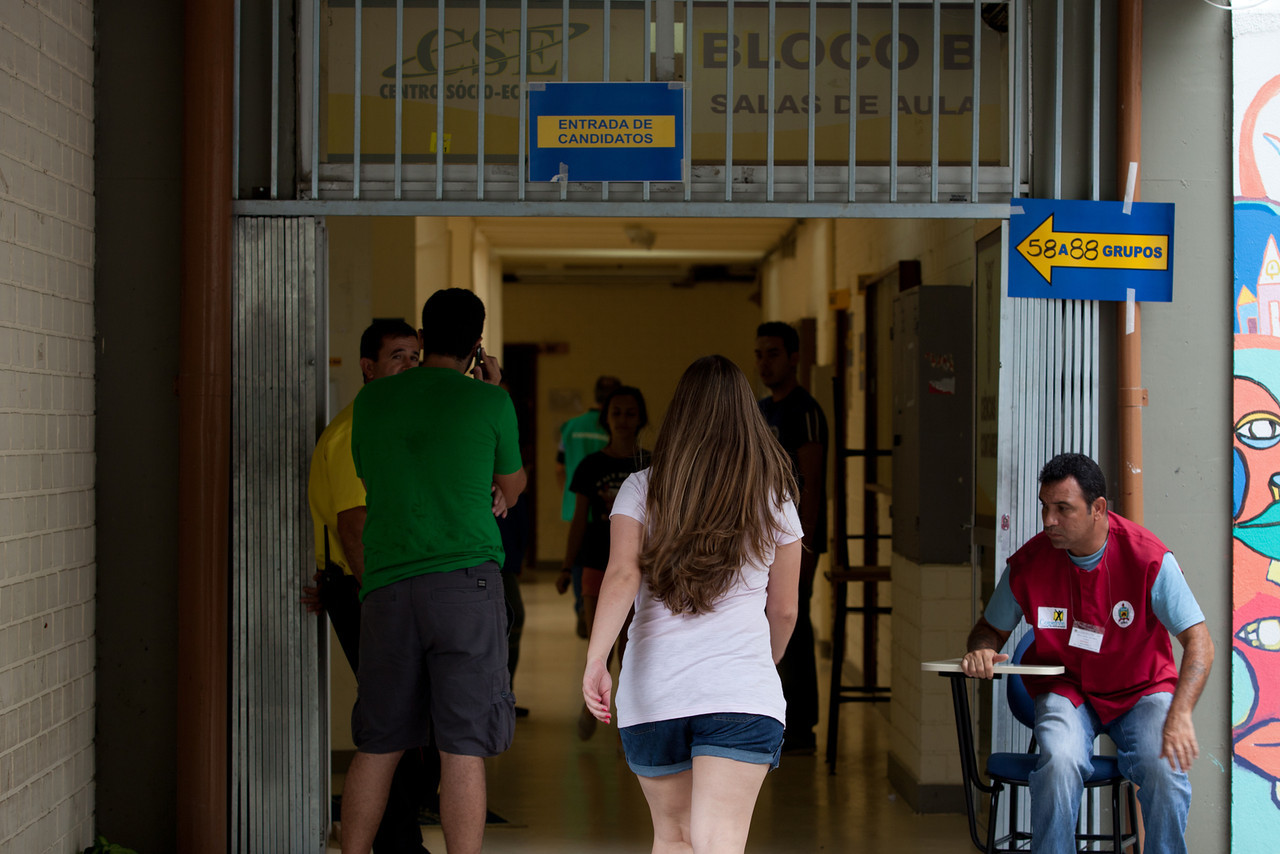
<point>1103,594</point>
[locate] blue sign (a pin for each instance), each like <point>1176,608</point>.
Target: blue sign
<point>1062,249</point>
<point>606,132</point>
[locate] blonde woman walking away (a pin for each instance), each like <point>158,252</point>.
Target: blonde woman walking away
<point>706,544</point>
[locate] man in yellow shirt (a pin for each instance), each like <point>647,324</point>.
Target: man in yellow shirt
<point>337,501</point>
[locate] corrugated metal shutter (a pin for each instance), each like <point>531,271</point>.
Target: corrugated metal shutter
<point>1048,405</point>
<point>279,713</point>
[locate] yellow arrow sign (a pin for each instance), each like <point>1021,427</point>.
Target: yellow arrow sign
<point>1045,249</point>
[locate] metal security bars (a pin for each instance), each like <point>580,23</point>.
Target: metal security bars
<point>833,108</point>
<point>279,724</point>
<point>1049,404</point>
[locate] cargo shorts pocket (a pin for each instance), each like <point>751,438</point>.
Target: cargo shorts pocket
<point>463,595</point>
<point>502,687</point>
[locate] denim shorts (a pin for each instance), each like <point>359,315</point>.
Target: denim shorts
<point>659,748</point>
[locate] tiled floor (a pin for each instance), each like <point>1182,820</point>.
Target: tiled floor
<point>564,795</point>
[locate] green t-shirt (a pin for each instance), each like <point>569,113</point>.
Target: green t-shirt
<point>427,444</point>
<point>581,435</point>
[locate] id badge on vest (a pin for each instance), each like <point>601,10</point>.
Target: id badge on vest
<point>1086,636</point>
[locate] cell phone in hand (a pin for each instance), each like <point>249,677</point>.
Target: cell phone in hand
<point>480,360</point>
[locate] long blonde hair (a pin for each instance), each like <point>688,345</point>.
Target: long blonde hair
<point>718,474</point>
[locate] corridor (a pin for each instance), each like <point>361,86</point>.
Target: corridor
<point>560,795</point>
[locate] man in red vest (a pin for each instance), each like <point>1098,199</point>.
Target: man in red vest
<point>1102,594</point>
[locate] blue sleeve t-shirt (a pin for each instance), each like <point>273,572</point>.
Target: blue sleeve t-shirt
<point>1171,599</point>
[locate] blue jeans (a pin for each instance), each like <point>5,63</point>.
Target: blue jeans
<point>1065,735</point>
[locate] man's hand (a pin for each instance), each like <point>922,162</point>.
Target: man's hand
<point>1178,738</point>
<point>981,663</point>
<point>1178,741</point>
<point>984,644</point>
<point>812,504</point>
<point>499,502</point>
<point>311,597</point>
<point>491,371</point>
<point>563,580</point>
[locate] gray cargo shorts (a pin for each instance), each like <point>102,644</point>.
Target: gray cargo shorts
<point>433,651</point>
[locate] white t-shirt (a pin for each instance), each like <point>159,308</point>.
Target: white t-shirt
<point>679,665</point>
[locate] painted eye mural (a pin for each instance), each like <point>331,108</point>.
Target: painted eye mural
<point>1256,460</point>
<point>1258,430</point>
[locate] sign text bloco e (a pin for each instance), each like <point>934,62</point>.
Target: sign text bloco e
<point>1061,249</point>
<point>606,132</point>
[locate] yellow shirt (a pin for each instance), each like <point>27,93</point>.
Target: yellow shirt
<point>333,487</point>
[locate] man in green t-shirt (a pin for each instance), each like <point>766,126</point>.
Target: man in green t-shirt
<point>434,448</point>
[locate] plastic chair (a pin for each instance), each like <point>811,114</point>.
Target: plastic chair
<point>1013,771</point>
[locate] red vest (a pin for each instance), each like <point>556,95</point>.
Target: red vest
<point>1136,657</point>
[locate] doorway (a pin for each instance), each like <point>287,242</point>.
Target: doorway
<point>571,299</point>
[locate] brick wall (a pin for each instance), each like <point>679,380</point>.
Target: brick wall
<point>46,426</point>
<point>931,619</point>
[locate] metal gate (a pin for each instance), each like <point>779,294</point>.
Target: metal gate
<point>417,106</point>
<point>1049,387</point>
<point>279,727</point>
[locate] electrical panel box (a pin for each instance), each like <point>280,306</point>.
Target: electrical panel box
<point>933,424</point>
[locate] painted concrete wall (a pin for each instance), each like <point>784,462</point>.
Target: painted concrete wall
<point>1186,351</point>
<point>137,277</point>
<point>932,603</point>
<point>797,283</point>
<point>371,274</point>
<point>47,565</point>
<point>1255,683</point>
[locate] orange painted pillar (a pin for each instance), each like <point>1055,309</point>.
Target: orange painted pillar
<point>204,420</point>
<point>1132,396</point>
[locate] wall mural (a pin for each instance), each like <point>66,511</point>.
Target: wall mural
<point>1255,659</point>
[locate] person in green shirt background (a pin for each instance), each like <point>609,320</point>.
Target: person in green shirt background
<point>580,437</point>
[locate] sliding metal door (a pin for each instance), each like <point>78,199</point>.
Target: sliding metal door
<point>1049,378</point>
<point>279,715</point>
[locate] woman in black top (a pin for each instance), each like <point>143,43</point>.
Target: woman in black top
<point>595,484</point>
